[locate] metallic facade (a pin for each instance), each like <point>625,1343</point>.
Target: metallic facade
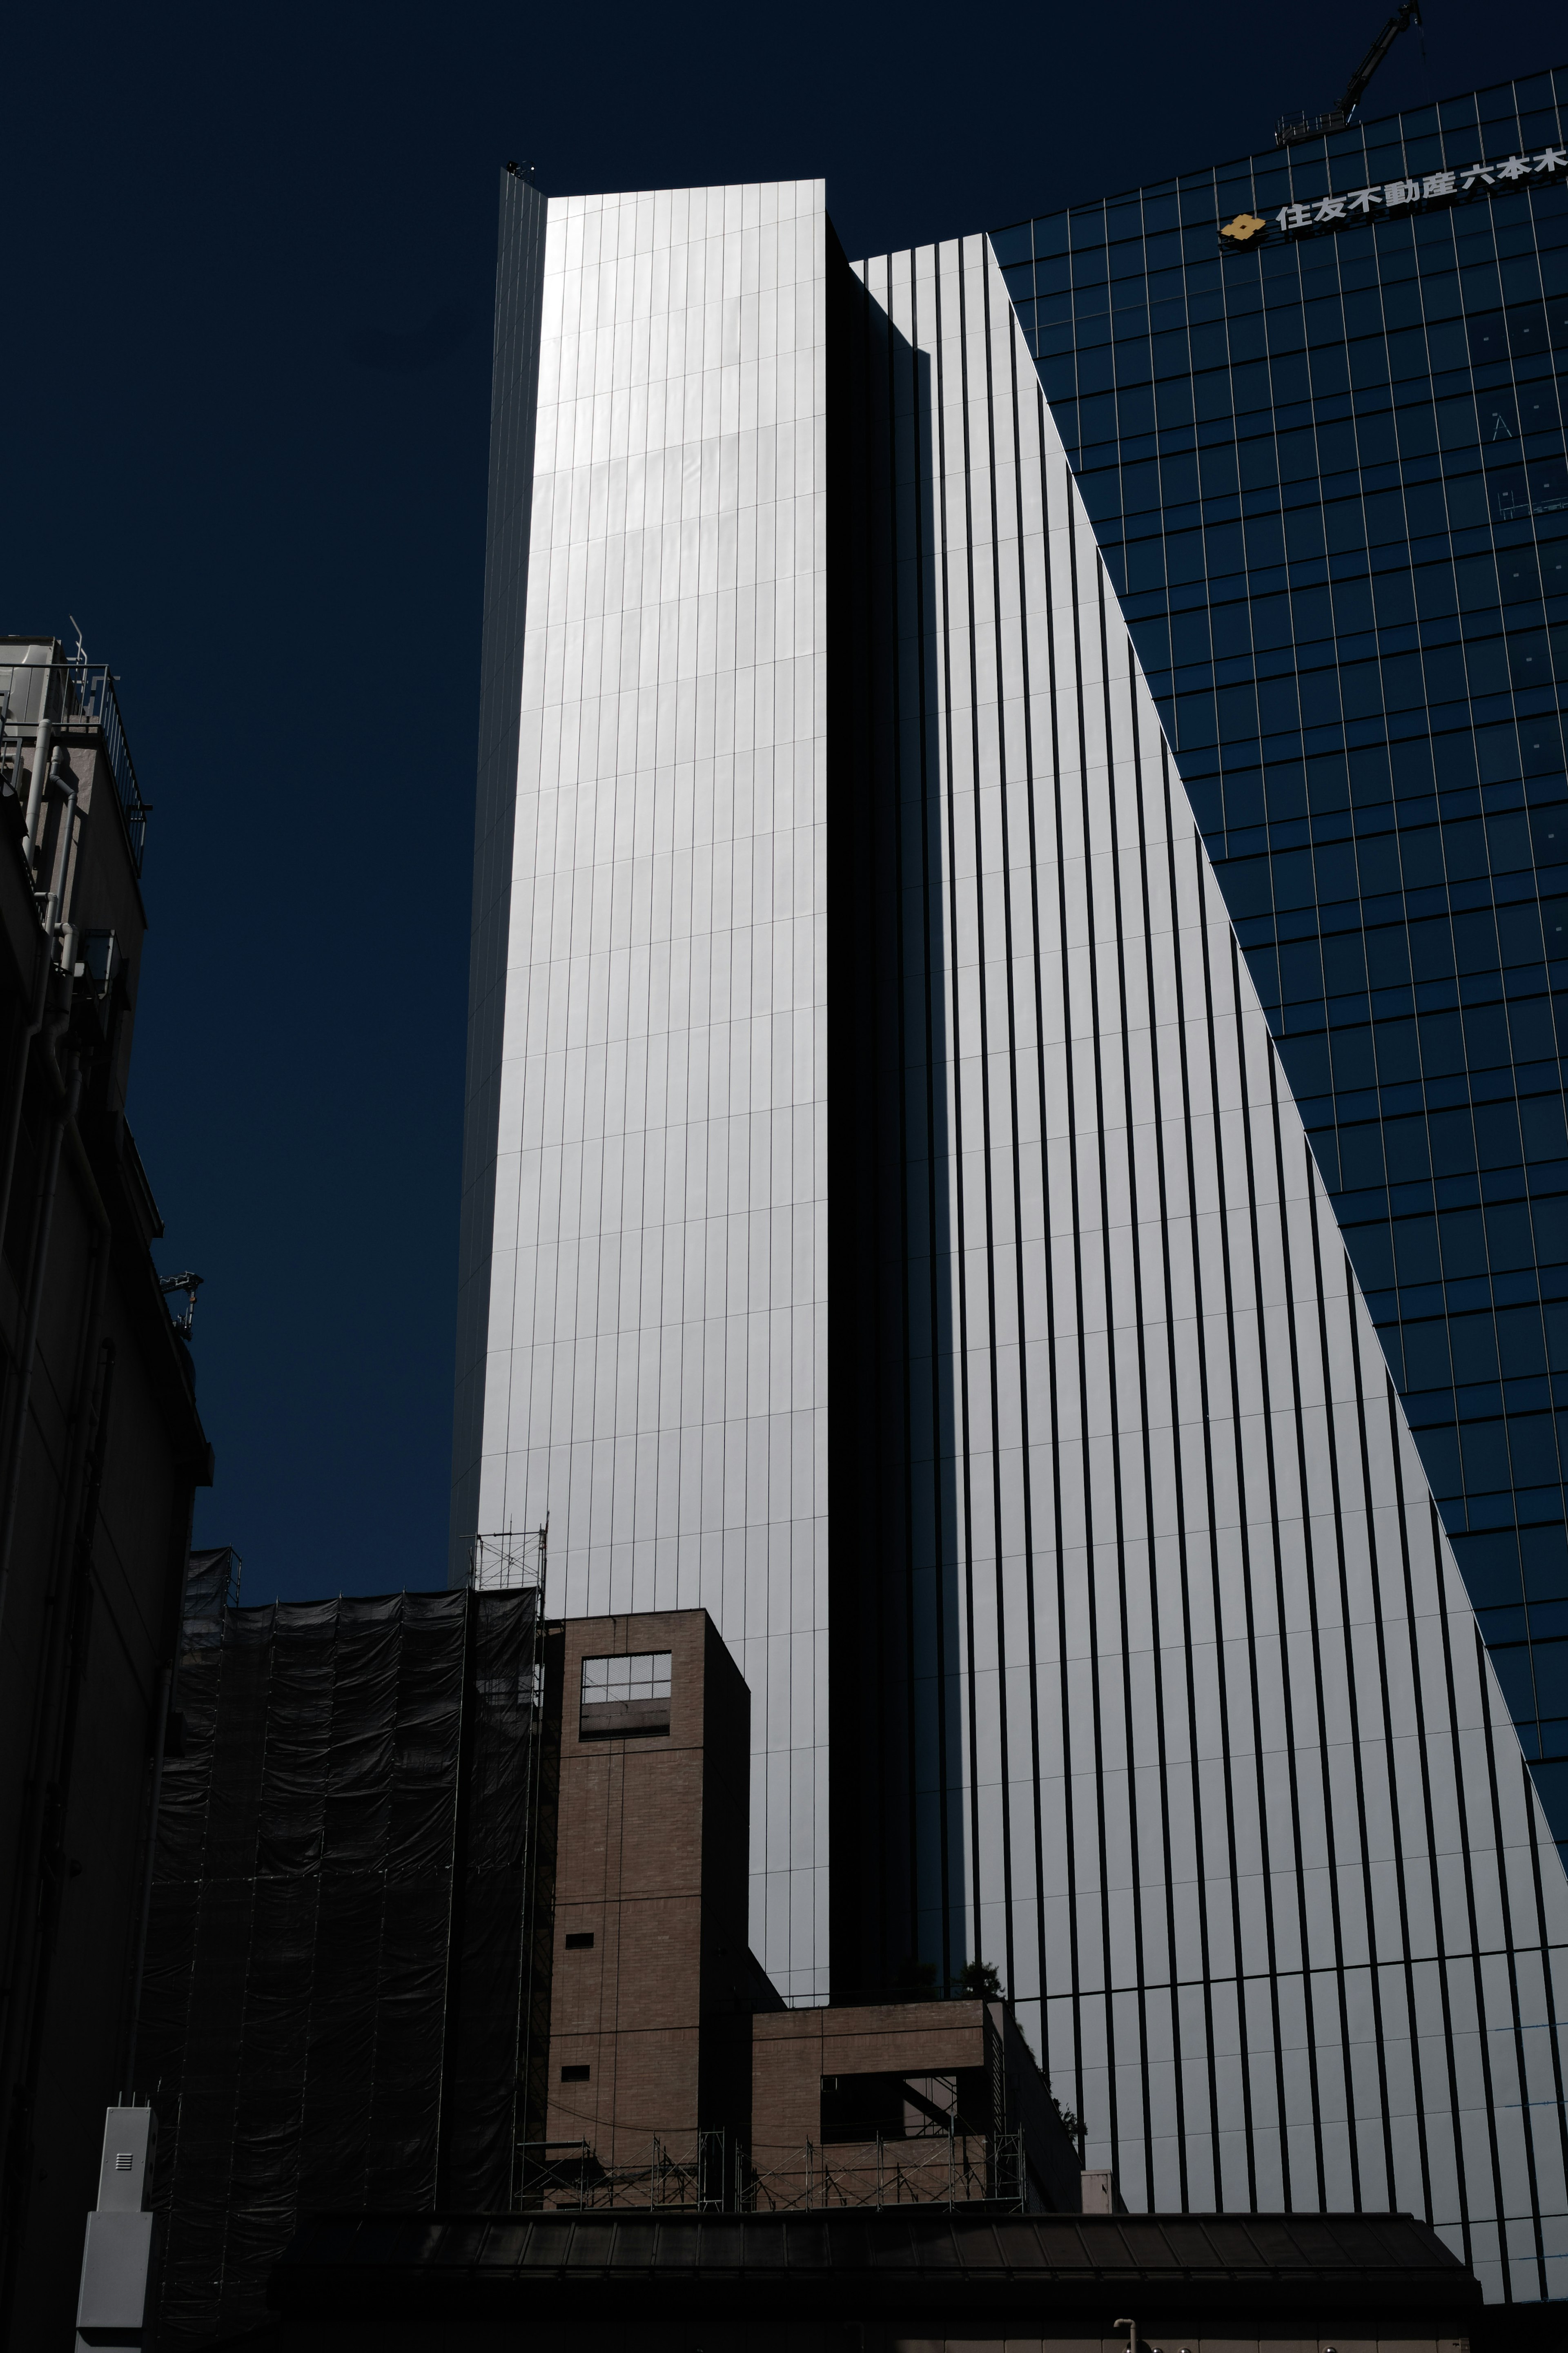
<point>643,1349</point>
<point>514,403</point>
<point>1328,474</point>
<point>888,1139</point>
<point>1209,1759</point>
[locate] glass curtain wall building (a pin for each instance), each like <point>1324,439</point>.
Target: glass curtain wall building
<point>1154,1680</point>
<point>1324,460</point>
<point>890,1217</point>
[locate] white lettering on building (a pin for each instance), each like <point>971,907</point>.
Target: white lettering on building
<point>1397,196</point>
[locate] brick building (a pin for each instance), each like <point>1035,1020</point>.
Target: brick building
<point>677,2075</point>
<point>652,1985</point>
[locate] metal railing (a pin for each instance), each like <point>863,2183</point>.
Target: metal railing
<point>1292,129</point>
<point>566,2176</point>
<point>951,2168</point>
<point>71,693</point>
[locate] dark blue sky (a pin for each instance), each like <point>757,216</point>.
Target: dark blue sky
<point>246,392</point>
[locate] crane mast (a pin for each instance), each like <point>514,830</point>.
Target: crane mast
<point>1291,129</point>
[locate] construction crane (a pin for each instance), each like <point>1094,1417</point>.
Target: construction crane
<point>1291,129</point>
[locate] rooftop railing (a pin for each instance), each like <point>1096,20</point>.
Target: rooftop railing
<point>936,2168</point>
<point>71,693</point>
<point>1292,129</point>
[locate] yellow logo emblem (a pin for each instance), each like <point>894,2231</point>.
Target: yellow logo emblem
<point>1244,228</point>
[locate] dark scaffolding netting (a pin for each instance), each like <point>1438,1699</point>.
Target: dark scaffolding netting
<point>333,1984</point>
<point>486,2027</point>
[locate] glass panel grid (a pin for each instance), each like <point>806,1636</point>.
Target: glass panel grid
<point>1327,478</point>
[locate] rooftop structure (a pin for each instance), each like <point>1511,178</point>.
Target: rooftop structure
<point>942,2281</point>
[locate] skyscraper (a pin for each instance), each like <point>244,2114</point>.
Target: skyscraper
<point>1324,461</point>
<point>888,1221</point>
<point>642,1336</point>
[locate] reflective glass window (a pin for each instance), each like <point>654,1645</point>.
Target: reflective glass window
<point>1330,484</point>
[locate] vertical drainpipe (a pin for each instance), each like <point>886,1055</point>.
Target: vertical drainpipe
<point>42,746</point>
<point>58,906</point>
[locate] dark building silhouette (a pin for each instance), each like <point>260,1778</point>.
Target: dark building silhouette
<point>101,1448</point>
<point>916,2281</point>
